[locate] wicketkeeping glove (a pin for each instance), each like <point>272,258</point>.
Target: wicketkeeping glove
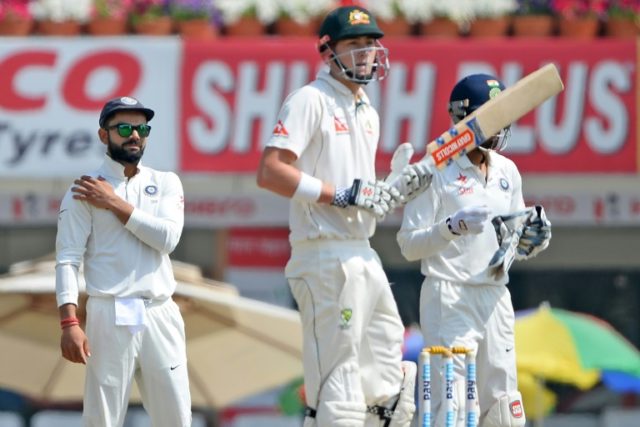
<point>469,220</point>
<point>375,197</point>
<point>409,179</point>
<point>521,235</point>
<point>536,234</point>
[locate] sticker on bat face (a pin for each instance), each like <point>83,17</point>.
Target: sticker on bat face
<point>452,148</point>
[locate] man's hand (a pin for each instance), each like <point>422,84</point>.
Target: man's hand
<point>99,193</point>
<point>521,235</point>
<point>95,191</point>
<point>536,234</point>
<point>409,179</point>
<point>376,197</point>
<point>469,220</point>
<point>75,345</point>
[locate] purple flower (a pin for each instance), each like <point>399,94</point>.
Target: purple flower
<point>192,9</point>
<point>534,7</point>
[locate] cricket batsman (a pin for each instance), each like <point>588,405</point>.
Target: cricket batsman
<point>321,155</point>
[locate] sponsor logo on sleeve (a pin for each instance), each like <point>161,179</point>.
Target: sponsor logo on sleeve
<point>516,409</point>
<point>280,130</point>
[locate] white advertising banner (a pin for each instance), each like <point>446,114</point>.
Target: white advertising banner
<point>52,92</point>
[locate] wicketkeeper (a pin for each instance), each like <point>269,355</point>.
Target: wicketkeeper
<point>464,300</point>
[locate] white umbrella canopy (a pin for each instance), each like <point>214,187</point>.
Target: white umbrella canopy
<point>236,347</point>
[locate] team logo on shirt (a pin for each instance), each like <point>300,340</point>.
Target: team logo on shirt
<point>280,130</point>
<point>462,181</point>
<point>340,126</point>
<point>345,318</point>
<point>368,127</point>
<point>151,190</point>
<point>504,184</point>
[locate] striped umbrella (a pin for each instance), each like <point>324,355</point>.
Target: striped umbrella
<point>574,348</point>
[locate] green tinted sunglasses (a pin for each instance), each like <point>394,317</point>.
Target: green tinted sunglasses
<point>125,130</point>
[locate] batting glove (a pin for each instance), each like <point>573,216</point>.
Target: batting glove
<point>375,197</point>
<point>409,179</point>
<point>469,220</point>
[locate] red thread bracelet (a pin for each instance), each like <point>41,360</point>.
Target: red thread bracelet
<point>69,320</point>
<point>68,325</point>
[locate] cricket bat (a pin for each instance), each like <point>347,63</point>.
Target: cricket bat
<point>494,115</point>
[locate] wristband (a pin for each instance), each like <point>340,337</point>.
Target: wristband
<point>309,188</point>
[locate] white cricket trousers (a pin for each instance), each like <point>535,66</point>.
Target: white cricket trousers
<point>155,356</point>
<point>474,316</point>
<point>352,331</point>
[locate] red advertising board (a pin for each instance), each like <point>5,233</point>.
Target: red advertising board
<point>217,102</point>
<point>231,92</point>
<point>52,92</point>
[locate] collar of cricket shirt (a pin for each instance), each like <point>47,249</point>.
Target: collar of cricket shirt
<point>340,88</point>
<point>116,170</point>
<point>464,162</point>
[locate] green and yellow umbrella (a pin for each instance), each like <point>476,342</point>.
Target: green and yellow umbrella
<point>566,347</point>
<point>573,348</point>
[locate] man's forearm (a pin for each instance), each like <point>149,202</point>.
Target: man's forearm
<point>121,209</point>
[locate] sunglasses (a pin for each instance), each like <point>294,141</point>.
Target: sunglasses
<point>125,130</point>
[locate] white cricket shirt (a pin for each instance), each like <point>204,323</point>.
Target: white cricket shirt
<point>129,260</point>
<point>334,134</point>
<point>424,234</point>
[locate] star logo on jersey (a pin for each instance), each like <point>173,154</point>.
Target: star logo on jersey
<point>462,179</point>
<point>280,130</point>
<point>340,126</point>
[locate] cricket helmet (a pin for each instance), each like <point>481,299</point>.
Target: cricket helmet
<point>469,94</point>
<point>349,22</point>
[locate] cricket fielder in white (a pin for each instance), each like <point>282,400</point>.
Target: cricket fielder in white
<point>462,301</point>
<point>122,221</point>
<point>321,155</point>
